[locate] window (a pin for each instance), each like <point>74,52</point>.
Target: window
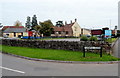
<point>59,32</point>
<point>14,34</point>
<point>7,34</point>
<point>66,32</point>
<point>53,32</point>
<point>81,31</point>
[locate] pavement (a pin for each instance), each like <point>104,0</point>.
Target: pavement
<point>116,49</point>
<point>13,66</point>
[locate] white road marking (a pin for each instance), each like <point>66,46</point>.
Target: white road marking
<point>12,70</point>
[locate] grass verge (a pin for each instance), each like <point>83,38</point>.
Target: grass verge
<point>110,40</point>
<point>51,54</point>
<point>51,38</point>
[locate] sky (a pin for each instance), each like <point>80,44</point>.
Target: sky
<point>91,14</point>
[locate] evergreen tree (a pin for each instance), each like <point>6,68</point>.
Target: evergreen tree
<point>28,23</point>
<point>34,21</point>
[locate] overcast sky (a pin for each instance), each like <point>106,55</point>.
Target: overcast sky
<point>89,13</point>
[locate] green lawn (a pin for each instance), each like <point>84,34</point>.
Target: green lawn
<point>50,38</point>
<point>110,40</point>
<point>50,54</point>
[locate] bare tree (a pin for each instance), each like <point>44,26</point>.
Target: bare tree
<point>18,23</point>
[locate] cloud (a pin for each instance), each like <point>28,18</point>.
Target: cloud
<point>88,12</point>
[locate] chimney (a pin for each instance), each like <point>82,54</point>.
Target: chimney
<point>115,27</point>
<point>65,22</point>
<point>75,20</point>
<point>71,21</point>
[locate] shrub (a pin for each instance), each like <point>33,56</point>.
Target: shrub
<point>93,38</point>
<point>84,38</point>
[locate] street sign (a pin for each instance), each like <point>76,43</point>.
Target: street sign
<point>92,48</point>
<point>96,32</point>
<point>108,33</point>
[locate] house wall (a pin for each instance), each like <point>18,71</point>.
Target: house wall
<point>17,34</point>
<point>0,33</point>
<point>86,32</point>
<point>63,33</point>
<point>76,29</point>
<point>11,35</point>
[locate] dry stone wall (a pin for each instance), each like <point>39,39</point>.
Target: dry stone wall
<point>64,45</point>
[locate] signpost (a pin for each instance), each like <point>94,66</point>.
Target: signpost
<point>96,32</point>
<point>92,48</point>
<point>108,33</point>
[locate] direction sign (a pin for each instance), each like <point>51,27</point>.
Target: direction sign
<point>108,33</point>
<point>92,47</point>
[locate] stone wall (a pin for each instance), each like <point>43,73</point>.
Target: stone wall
<point>64,45</point>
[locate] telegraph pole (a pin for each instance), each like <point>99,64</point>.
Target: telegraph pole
<point>110,24</point>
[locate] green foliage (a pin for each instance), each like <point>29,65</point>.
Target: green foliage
<point>59,23</point>
<point>84,38</point>
<point>50,54</point>
<point>34,21</point>
<point>110,40</point>
<point>46,28</point>
<point>93,38</point>
<point>118,33</point>
<point>37,28</point>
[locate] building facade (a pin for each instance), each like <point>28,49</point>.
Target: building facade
<point>13,31</point>
<point>72,29</point>
<point>85,31</point>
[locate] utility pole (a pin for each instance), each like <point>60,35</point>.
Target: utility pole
<point>110,24</point>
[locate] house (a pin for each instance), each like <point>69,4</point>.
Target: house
<point>72,29</point>
<point>1,31</point>
<point>13,31</point>
<point>85,31</point>
<point>1,26</point>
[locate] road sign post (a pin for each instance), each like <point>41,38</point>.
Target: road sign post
<point>92,48</point>
<point>101,52</point>
<point>83,51</point>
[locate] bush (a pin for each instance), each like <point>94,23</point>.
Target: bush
<point>93,38</point>
<point>84,38</point>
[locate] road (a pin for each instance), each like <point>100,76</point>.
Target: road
<point>116,48</point>
<point>13,66</point>
<point>68,39</point>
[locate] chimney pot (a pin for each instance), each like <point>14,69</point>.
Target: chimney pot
<point>65,22</point>
<point>71,21</point>
<point>75,20</point>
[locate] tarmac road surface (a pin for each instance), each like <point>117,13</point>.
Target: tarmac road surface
<point>13,66</point>
<point>116,48</point>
